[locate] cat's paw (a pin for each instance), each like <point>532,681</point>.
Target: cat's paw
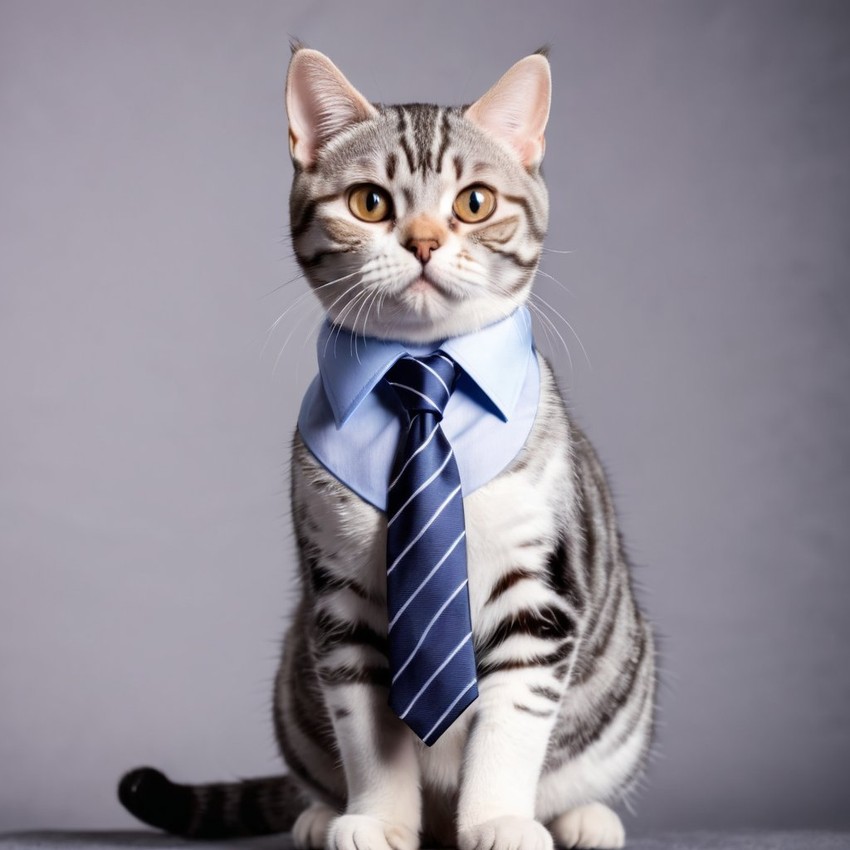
<point>311,827</point>
<point>505,833</point>
<point>593,825</point>
<point>361,832</point>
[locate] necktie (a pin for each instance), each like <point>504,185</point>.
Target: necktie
<point>432,661</point>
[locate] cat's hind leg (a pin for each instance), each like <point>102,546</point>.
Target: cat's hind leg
<point>593,825</point>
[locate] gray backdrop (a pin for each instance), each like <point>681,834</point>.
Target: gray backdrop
<point>698,166</point>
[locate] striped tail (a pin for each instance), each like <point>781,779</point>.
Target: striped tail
<point>218,810</point>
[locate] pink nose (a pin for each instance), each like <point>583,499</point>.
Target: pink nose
<point>422,247</point>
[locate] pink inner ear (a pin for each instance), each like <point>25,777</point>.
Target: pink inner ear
<point>516,109</point>
<point>320,103</point>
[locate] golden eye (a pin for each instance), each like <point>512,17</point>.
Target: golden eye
<point>370,203</point>
<point>475,204</point>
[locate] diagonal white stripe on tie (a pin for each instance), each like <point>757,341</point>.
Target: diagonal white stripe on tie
<point>421,487</point>
<point>428,629</point>
<point>443,716</point>
<point>424,529</point>
<point>416,392</point>
<point>427,579</point>
<point>448,391</point>
<point>434,675</point>
<point>407,462</point>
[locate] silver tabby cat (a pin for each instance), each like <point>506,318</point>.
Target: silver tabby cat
<point>419,223</point>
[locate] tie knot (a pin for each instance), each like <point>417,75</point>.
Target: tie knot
<point>423,384</point>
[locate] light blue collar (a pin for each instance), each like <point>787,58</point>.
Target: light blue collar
<point>495,358</point>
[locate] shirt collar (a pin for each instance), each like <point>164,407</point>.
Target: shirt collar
<point>495,358</point>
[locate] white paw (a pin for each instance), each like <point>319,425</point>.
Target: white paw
<point>506,833</point>
<point>311,827</point>
<point>361,832</point>
<point>593,825</point>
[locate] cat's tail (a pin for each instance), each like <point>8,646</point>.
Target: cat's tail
<point>219,810</point>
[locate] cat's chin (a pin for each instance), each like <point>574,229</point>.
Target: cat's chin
<point>425,300</point>
<point>428,295</point>
<point>426,316</point>
<point>421,287</point>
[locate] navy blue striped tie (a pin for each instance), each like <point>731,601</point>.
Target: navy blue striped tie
<point>432,661</point>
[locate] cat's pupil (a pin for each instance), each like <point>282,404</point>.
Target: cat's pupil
<point>372,201</point>
<point>475,199</point>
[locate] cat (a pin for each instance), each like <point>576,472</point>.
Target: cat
<point>424,223</point>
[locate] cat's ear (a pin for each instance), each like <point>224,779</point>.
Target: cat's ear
<point>516,109</point>
<point>320,103</point>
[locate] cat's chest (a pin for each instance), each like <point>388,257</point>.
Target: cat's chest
<point>508,522</point>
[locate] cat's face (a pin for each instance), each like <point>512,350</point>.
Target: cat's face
<point>417,222</point>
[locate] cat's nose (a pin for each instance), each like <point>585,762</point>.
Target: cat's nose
<point>422,247</point>
<point>422,236</point>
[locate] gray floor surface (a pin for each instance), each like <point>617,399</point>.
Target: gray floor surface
<point>757,840</point>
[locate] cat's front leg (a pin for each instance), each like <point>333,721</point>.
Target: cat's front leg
<point>342,544</point>
<point>515,712</point>
<point>384,808</point>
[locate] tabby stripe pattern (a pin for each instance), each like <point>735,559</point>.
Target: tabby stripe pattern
<point>559,615</point>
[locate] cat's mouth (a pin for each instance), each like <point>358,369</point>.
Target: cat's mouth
<point>422,285</point>
<point>423,297</point>
<point>425,285</point>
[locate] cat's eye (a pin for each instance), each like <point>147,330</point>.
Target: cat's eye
<point>474,204</point>
<point>370,203</point>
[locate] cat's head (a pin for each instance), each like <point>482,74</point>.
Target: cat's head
<point>417,222</point>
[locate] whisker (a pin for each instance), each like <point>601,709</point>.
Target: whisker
<point>337,323</point>
<point>551,324</point>
<point>311,331</point>
<point>339,327</point>
<point>295,303</point>
<point>381,301</point>
<point>552,348</point>
<point>562,285</point>
<point>325,316</point>
<point>572,329</point>
<point>345,312</point>
<point>279,319</point>
<point>375,300</point>
<point>376,295</point>
<point>285,258</point>
<point>343,294</point>
<point>546,333</point>
<point>285,343</point>
<point>277,288</point>
<point>372,292</point>
<point>352,342</point>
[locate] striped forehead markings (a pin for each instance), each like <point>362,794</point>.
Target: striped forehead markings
<point>458,164</point>
<point>417,128</point>
<point>424,131</point>
<point>402,138</point>
<point>445,137</point>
